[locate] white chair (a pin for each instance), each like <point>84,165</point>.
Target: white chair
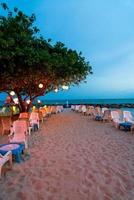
<point>77,108</point>
<point>116,118</point>
<point>106,116</point>
<point>103,109</point>
<point>84,109</point>
<point>3,159</point>
<point>128,116</point>
<point>34,119</point>
<point>72,107</point>
<point>98,111</point>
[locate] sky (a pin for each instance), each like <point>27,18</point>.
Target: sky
<point>103,30</point>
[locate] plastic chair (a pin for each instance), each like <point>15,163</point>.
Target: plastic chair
<point>128,116</point>
<point>34,119</point>
<point>19,132</point>
<point>3,159</point>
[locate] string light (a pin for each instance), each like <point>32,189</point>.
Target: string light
<point>28,101</point>
<point>56,90</point>
<point>40,85</point>
<point>12,93</point>
<point>15,100</point>
<point>65,87</point>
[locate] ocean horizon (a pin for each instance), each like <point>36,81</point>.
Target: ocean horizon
<point>90,101</point>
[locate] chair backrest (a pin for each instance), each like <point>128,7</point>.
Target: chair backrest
<point>20,127</point>
<point>58,108</point>
<point>98,110</point>
<point>44,113</point>
<point>127,115</point>
<point>84,109</point>
<point>24,115</point>
<point>34,116</point>
<point>80,108</point>
<point>77,107</point>
<point>93,112</point>
<point>20,130</point>
<point>40,115</point>
<point>107,115</point>
<point>103,109</point>
<point>115,115</point>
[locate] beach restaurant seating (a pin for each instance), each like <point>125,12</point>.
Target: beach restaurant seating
<point>44,112</point>
<point>41,118</point>
<point>128,116</point>
<point>116,118</point>
<point>48,110</point>
<point>77,107</point>
<point>80,109</point>
<point>106,117</point>
<point>19,132</point>
<point>83,109</point>
<point>59,108</point>
<point>103,110</point>
<point>4,159</point>
<point>34,119</point>
<point>24,115</point>
<point>73,107</point>
<point>94,113</point>
<point>54,110</point>
<point>89,110</point>
<point>29,127</point>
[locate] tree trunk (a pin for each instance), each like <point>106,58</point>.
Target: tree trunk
<point>21,104</point>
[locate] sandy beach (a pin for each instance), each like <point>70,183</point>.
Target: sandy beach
<point>73,157</point>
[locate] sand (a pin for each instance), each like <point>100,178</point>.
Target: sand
<point>73,157</point>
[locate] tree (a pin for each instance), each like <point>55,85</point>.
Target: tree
<point>32,66</point>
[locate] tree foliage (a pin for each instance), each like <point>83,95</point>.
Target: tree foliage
<point>27,59</point>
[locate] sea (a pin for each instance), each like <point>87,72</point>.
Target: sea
<point>90,101</point>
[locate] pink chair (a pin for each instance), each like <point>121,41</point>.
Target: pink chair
<point>19,132</point>
<point>34,119</point>
<point>24,115</point>
<point>3,159</point>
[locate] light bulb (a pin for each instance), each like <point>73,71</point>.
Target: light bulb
<point>15,100</point>
<point>56,90</point>
<point>40,85</point>
<point>28,101</point>
<point>65,87</point>
<point>12,93</point>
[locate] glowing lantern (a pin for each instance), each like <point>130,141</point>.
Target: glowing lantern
<point>65,87</point>
<point>40,85</point>
<point>39,101</point>
<point>56,90</point>
<point>15,100</point>
<point>33,108</point>
<point>12,93</point>
<point>28,101</point>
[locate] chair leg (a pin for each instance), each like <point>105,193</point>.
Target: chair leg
<point>10,160</point>
<point>0,171</point>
